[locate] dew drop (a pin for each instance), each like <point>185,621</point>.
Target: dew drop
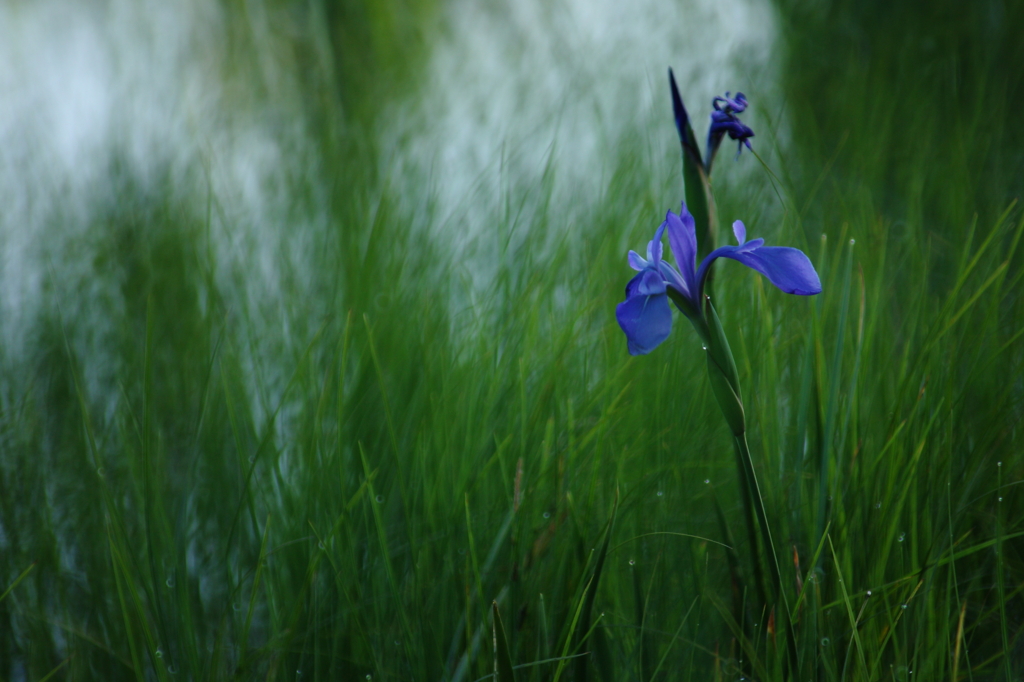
<point>1000,499</point>
<point>903,606</point>
<point>825,641</point>
<point>170,581</point>
<point>159,653</point>
<point>869,593</point>
<point>172,670</point>
<point>999,464</point>
<point>878,505</point>
<point>707,481</point>
<point>396,642</point>
<point>369,676</point>
<point>660,493</point>
<point>852,242</point>
<point>380,499</point>
<point>547,515</point>
<point>902,537</point>
<point>100,471</point>
<point>236,607</point>
<point>632,562</point>
<point>321,545</point>
<point>829,498</point>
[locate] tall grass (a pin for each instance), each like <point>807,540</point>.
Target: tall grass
<point>348,499</point>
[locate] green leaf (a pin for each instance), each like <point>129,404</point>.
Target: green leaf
<point>503,671</point>
<point>588,603</point>
<point>723,373</point>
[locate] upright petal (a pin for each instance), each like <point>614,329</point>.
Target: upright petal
<point>655,247</point>
<point>682,238</point>
<point>646,320</point>
<point>740,230</point>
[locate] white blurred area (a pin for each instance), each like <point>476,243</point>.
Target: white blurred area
<point>171,98</point>
<point>187,99</point>
<point>514,85</point>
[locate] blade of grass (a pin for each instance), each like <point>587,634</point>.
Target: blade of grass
<point>503,671</point>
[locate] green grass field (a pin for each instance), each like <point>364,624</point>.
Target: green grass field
<point>337,484</point>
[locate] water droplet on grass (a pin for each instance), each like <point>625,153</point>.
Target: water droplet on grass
<point>159,653</point>
<point>707,481</point>
<point>903,606</point>
<point>100,471</point>
<point>632,562</point>
<point>380,499</point>
<point>999,464</point>
<point>547,515</point>
<point>902,537</point>
<point>825,641</point>
<point>869,593</point>
<point>660,493</point>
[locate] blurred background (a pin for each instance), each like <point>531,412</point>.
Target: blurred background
<point>307,346</point>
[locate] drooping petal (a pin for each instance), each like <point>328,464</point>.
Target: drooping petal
<point>646,320</point>
<point>740,230</point>
<point>682,238</point>
<point>636,261</point>
<point>787,268</point>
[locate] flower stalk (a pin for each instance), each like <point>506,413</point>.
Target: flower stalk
<point>646,317</point>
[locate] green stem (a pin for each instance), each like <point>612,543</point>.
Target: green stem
<point>726,386</point>
<point>773,560</point>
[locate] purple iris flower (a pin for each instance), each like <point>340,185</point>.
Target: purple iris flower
<point>645,315</point>
<point>724,121</point>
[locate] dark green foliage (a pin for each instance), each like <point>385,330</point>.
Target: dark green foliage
<point>343,482</point>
